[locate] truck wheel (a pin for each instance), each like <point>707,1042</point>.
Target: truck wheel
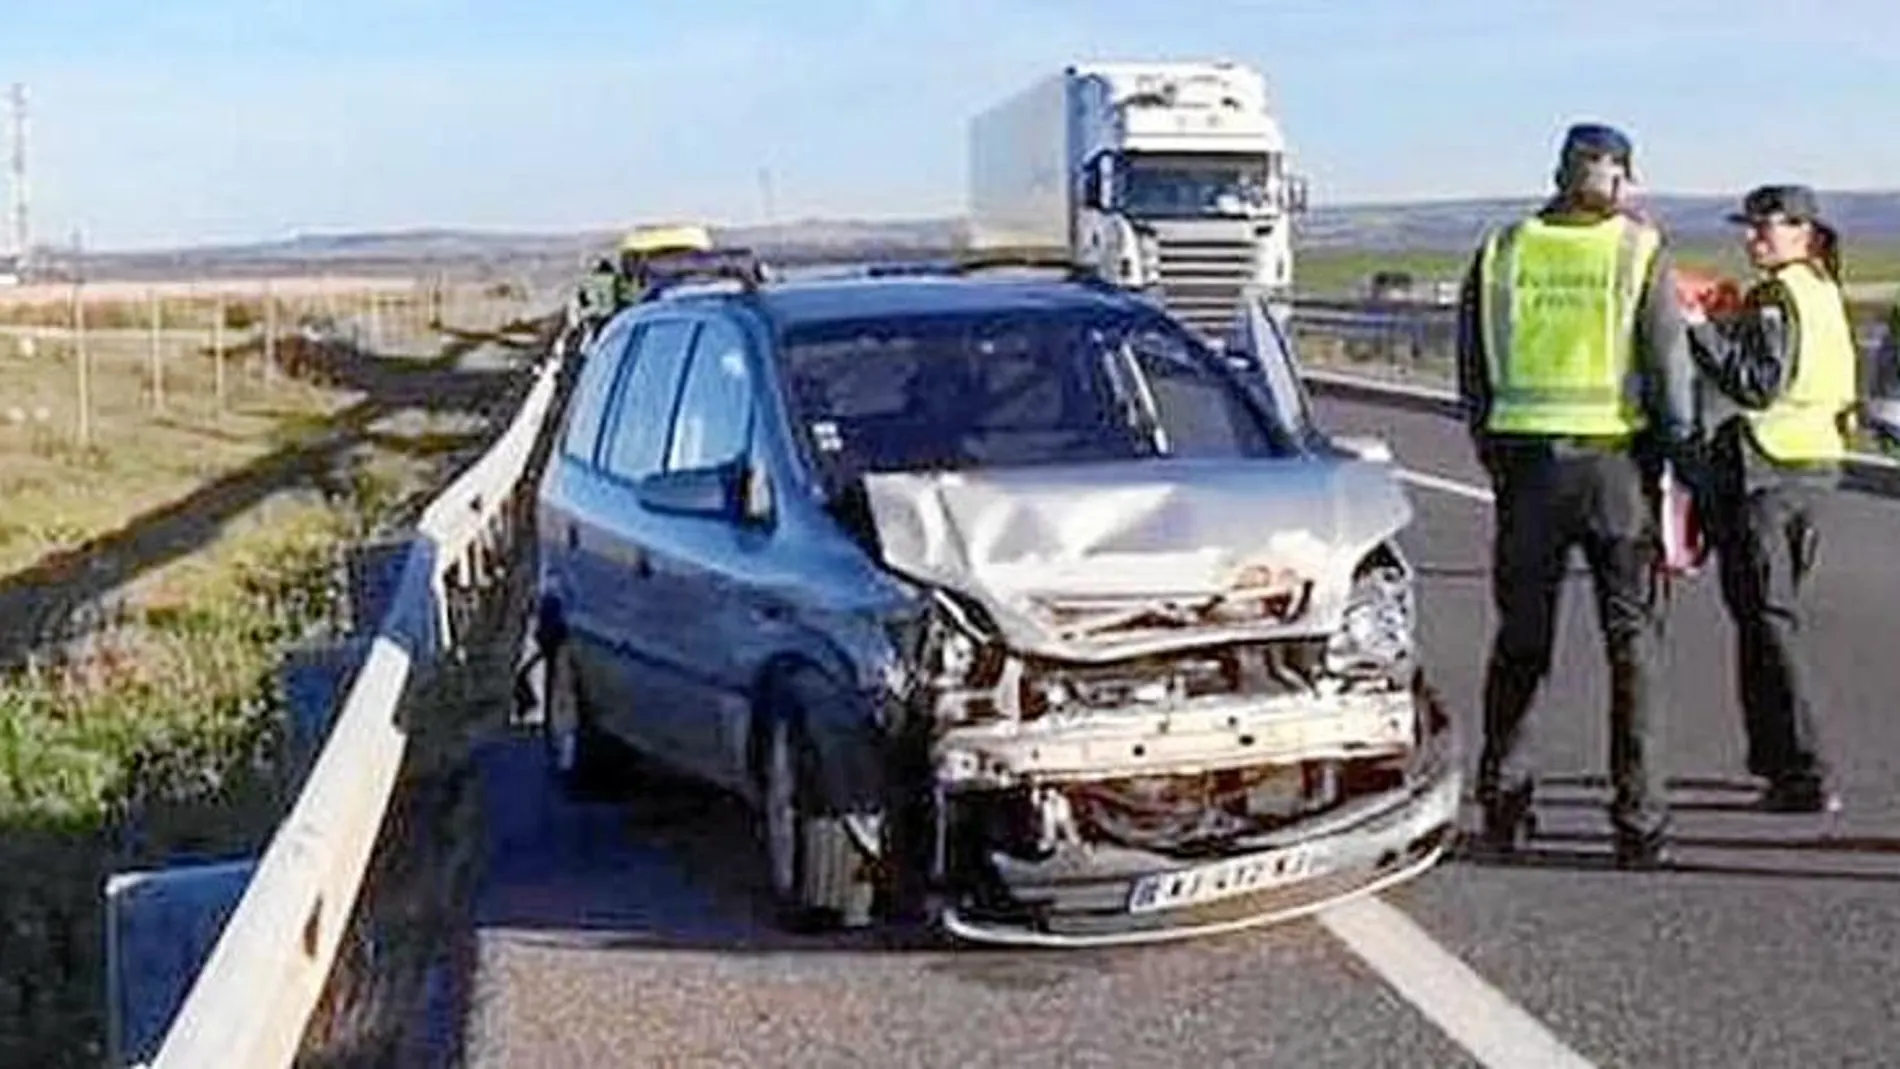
<point>584,760</point>
<point>818,875</point>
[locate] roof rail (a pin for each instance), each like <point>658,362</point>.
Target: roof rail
<point>973,261</point>
<point>1002,260</point>
<point>904,268</point>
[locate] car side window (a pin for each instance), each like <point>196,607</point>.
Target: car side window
<point>643,408</point>
<point>588,408</point>
<point>714,423</point>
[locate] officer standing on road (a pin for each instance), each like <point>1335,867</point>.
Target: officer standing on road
<point>1786,372</point>
<point>1577,385</point>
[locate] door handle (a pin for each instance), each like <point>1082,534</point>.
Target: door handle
<point>573,536</point>
<point>641,564</point>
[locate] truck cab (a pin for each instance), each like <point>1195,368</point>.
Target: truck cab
<point>1176,181</point>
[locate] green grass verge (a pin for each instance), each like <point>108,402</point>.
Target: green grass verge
<point>165,734</point>
<point>1872,270</point>
<point>167,738</point>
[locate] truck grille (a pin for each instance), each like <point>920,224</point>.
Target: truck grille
<point>1202,279</point>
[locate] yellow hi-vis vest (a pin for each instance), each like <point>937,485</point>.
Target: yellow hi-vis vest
<point>1803,425</point>
<point>1558,305</point>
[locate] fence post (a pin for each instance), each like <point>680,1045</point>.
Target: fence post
<point>217,354</point>
<point>84,361</point>
<point>270,335</point>
<point>158,359</point>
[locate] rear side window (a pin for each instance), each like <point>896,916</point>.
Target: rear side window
<point>644,408</point>
<point>589,405</point>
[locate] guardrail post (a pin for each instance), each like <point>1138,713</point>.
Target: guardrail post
<point>160,927</point>
<point>314,678</point>
<point>375,575</point>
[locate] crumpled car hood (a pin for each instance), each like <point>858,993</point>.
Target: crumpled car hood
<point>1064,558</point>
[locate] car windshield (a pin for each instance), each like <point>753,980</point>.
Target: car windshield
<point>1014,389</point>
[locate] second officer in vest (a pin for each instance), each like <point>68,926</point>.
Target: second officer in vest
<point>1785,371</point>
<point>1577,385</point>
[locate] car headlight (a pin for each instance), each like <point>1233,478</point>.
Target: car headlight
<point>1375,638</point>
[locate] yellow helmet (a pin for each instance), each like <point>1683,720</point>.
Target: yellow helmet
<point>654,240</point>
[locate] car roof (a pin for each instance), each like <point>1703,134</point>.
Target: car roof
<point>801,302</point>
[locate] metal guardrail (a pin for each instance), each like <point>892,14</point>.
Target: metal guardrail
<point>1866,472</point>
<point>254,998</point>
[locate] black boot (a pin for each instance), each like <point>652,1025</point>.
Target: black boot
<point>1798,794</point>
<point>1642,850</point>
<point>1509,820</point>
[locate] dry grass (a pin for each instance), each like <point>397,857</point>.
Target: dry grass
<point>219,530</point>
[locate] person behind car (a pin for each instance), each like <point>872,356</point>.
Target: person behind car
<point>1880,413</point>
<point>1787,366</point>
<point>1577,386</point>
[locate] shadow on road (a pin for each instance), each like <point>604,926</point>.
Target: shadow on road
<point>35,601</point>
<point>1802,847</point>
<point>673,865</point>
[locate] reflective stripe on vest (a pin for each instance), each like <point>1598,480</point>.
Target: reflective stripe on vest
<point>1803,424</point>
<point>1558,307</point>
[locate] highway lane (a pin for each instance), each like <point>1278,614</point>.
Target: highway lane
<point>633,935</point>
<point>1770,946</point>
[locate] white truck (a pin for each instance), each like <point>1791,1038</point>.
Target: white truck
<point>1169,178</point>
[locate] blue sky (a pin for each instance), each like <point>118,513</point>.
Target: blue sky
<point>165,121</point>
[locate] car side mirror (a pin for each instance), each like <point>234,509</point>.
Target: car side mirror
<point>738,491</point>
<point>1365,447</point>
<point>706,492</point>
<point>1296,191</point>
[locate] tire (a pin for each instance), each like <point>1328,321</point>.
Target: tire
<point>584,761</point>
<point>820,879</point>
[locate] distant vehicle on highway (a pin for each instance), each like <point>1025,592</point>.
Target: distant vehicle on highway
<point>1169,177</point>
<point>1007,601</point>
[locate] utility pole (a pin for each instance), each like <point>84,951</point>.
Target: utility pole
<point>765,195</point>
<point>22,234</point>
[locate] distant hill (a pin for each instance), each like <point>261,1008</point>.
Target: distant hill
<point>1429,225</point>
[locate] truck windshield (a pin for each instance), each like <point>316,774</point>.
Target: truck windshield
<point>1175,186</point>
<point>1014,389</point>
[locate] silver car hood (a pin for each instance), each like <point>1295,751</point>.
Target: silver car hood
<point>1062,558</point>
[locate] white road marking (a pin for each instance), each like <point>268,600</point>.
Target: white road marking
<point>1467,1007</point>
<point>1448,486</point>
<point>1479,1017</point>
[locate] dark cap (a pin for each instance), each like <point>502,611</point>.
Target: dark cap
<point>1796,202</point>
<point>1598,138</point>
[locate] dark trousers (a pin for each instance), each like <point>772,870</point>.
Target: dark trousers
<point>1547,502</point>
<point>1765,541</point>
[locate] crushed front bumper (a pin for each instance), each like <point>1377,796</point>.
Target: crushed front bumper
<point>1098,895</point>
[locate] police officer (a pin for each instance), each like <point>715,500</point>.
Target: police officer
<point>597,295</point>
<point>1785,372</point>
<point>1577,386</point>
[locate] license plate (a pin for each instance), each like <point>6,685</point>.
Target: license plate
<point>1224,879</point>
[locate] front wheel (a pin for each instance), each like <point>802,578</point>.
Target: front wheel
<point>819,877</point>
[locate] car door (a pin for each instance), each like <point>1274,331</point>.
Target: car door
<point>570,501</point>
<point>696,554</point>
<point>619,535</point>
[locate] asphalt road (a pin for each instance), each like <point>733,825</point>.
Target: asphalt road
<point>633,935</point>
